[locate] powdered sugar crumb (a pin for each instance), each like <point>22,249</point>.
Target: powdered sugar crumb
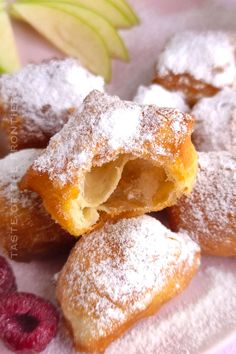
<point>156,94</point>
<point>207,56</point>
<point>215,128</point>
<point>106,127</point>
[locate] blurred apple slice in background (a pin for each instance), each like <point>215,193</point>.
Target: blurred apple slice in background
<point>105,8</point>
<point>2,5</point>
<point>9,60</point>
<point>109,34</point>
<point>127,10</point>
<point>68,33</point>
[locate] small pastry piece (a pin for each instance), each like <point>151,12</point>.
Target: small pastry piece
<point>199,64</point>
<point>208,215</point>
<point>120,274</point>
<point>114,159</point>
<point>156,94</point>
<point>36,102</point>
<point>26,229</point>
<point>215,127</point>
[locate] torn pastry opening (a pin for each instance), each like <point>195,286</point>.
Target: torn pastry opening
<point>121,186</point>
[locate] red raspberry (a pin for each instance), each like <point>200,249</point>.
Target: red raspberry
<point>7,278</point>
<point>27,322</point>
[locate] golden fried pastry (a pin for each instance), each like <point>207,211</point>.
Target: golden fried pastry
<point>26,229</point>
<point>215,127</point>
<point>208,215</point>
<point>120,274</point>
<point>114,159</point>
<point>199,64</point>
<point>158,95</point>
<point>36,102</point>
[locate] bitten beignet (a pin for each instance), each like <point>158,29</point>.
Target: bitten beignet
<point>215,127</point>
<point>26,229</point>
<point>37,101</point>
<point>114,159</point>
<point>119,274</point>
<point>208,214</point>
<point>199,64</point>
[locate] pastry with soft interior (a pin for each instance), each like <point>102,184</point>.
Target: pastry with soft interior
<point>208,214</point>
<point>199,64</point>
<point>26,229</point>
<point>120,274</point>
<point>114,159</point>
<point>37,101</point>
<point>158,95</point>
<point>215,127</point>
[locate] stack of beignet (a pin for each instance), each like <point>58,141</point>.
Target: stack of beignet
<point>114,161</point>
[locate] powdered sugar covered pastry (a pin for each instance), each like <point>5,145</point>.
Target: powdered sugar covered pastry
<point>156,94</point>
<point>37,101</point>
<point>199,64</point>
<point>215,127</point>
<point>114,159</point>
<point>122,273</point>
<point>208,215</point>
<point>26,229</point>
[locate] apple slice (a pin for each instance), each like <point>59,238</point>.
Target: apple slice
<point>127,10</point>
<point>3,5</point>
<point>9,60</point>
<point>106,8</point>
<point>110,35</point>
<point>68,33</point>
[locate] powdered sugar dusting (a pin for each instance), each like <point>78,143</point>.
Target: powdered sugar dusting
<point>197,319</point>
<point>121,125</point>
<point>12,169</point>
<point>129,263</point>
<point>213,200</point>
<point>207,56</point>
<point>156,94</point>
<point>44,93</point>
<point>215,127</point>
<point>106,127</point>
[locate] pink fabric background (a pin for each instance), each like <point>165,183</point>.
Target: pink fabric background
<point>160,18</point>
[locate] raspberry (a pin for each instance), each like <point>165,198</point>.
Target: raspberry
<point>27,322</point>
<point>7,278</point>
